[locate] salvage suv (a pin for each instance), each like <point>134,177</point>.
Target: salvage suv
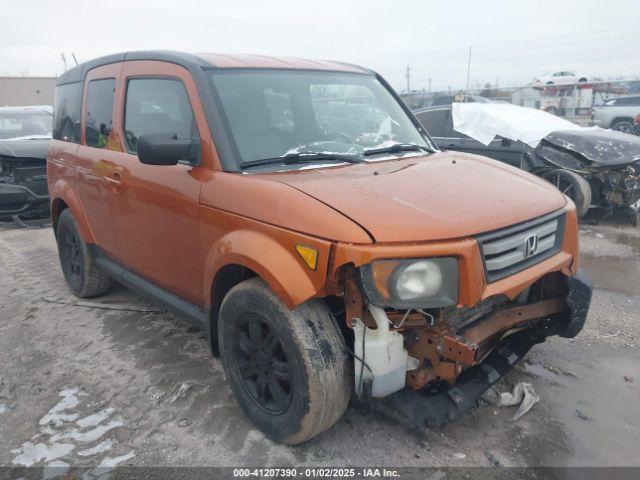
<point>299,213</point>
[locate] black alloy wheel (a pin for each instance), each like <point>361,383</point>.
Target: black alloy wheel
<point>82,276</point>
<point>289,369</point>
<point>562,183</point>
<point>572,185</point>
<point>262,364</point>
<point>70,253</point>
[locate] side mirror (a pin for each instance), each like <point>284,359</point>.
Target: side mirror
<point>165,149</point>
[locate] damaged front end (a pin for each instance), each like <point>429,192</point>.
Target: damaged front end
<point>608,160</point>
<point>431,363</point>
<point>23,186</point>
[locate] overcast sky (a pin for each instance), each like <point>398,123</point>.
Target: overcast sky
<point>512,40</point>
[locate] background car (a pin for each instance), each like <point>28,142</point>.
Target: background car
<point>593,167</point>
<point>559,78</point>
<point>618,114</point>
<point>25,133</point>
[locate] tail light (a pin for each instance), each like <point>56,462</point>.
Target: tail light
<point>637,120</point>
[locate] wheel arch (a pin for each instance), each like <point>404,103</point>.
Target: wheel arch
<point>243,254</point>
<point>63,197</point>
<point>57,206</point>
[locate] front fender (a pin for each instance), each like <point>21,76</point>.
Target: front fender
<point>272,256</point>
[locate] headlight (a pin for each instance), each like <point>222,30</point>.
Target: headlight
<point>417,283</point>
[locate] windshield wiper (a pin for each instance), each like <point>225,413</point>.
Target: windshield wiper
<point>302,157</point>
<point>398,147</point>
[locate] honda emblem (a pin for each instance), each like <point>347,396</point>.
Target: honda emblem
<point>530,246</point>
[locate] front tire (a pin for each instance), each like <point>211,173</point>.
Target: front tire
<point>84,279</point>
<point>572,185</point>
<point>288,369</point>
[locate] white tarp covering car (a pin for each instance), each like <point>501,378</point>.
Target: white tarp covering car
<point>484,121</point>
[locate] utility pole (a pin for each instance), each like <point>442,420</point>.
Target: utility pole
<point>408,75</point>
<point>429,84</point>
<point>468,69</point>
<point>64,61</point>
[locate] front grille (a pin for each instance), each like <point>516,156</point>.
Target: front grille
<point>515,248</point>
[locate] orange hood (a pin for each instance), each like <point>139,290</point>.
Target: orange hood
<point>441,196</point>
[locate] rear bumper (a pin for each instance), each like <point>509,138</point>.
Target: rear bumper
<point>21,200</point>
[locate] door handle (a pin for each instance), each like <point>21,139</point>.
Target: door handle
<point>114,179</point>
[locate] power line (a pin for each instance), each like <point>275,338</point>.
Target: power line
<point>408,75</point>
<point>468,69</point>
<point>534,45</point>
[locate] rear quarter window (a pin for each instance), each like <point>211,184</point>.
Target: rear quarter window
<point>439,123</point>
<point>435,122</point>
<point>67,111</point>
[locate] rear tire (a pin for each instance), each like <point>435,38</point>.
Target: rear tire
<point>84,279</point>
<point>288,369</point>
<point>572,185</point>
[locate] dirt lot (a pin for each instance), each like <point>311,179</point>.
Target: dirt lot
<point>118,381</point>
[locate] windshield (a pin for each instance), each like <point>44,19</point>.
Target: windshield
<point>273,113</point>
<point>15,125</point>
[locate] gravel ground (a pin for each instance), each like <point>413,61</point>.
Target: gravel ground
<point>117,381</point>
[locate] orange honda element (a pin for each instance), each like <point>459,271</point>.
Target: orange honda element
<point>298,212</point>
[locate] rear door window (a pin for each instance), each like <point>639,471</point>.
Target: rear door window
<point>157,105</point>
<point>627,101</point>
<point>99,120</point>
<point>439,123</point>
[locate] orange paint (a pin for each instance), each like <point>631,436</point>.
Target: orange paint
<point>178,226</point>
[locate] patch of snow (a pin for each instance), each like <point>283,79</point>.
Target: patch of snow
<point>63,430</point>
<point>181,393</point>
<point>31,453</point>
<point>3,408</point>
<point>95,419</point>
<point>110,462</point>
<point>55,415</point>
<point>90,435</point>
<point>103,446</point>
<point>321,165</point>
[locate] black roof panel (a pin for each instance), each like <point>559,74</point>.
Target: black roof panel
<point>77,74</point>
